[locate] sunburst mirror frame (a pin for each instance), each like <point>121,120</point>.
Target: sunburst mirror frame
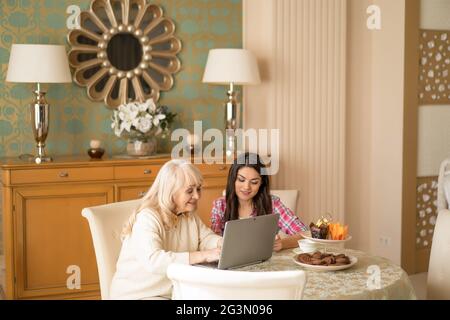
<point>155,51</point>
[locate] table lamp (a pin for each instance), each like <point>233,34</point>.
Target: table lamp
<point>231,67</point>
<point>37,63</point>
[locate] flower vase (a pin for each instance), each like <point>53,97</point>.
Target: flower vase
<point>142,147</point>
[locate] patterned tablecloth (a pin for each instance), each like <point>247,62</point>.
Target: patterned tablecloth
<point>360,282</point>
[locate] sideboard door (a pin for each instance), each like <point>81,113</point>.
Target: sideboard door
<point>51,238</point>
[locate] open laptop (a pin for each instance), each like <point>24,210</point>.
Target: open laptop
<point>246,242</point>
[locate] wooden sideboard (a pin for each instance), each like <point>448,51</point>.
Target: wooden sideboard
<point>44,232</point>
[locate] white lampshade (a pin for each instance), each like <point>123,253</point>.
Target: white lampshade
<point>237,66</point>
<point>38,63</point>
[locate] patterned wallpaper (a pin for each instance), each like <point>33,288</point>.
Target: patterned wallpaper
<point>434,67</point>
<point>75,120</point>
<point>426,211</point>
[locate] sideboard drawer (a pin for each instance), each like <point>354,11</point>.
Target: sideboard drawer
<point>61,175</point>
<point>136,172</point>
<point>214,169</point>
<point>125,193</point>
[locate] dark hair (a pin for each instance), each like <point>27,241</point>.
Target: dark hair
<point>262,201</point>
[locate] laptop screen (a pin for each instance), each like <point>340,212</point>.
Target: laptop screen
<point>248,241</point>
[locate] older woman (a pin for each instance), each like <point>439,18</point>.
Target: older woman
<point>164,229</point>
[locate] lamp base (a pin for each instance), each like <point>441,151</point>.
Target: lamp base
<point>35,159</point>
<point>40,160</point>
<point>40,114</point>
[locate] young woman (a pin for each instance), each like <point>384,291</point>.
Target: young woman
<point>248,195</point>
<point>164,229</point>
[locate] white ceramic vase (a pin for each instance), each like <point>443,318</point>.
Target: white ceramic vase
<point>142,148</point>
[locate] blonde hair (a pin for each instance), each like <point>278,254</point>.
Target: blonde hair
<point>173,176</point>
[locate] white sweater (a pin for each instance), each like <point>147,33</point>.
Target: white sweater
<point>148,251</point>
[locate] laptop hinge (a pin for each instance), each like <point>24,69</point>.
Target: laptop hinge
<point>246,265</point>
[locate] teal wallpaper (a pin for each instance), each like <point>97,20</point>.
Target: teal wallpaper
<point>75,120</point>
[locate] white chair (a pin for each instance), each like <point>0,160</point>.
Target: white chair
<point>197,283</point>
<point>106,224</point>
<point>438,283</point>
<point>288,197</point>
<point>443,197</point>
<point>419,281</point>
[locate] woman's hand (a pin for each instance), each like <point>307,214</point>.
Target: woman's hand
<point>212,255</point>
<point>220,243</point>
<point>204,256</point>
<point>278,244</point>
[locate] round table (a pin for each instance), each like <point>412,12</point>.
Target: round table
<point>351,284</point>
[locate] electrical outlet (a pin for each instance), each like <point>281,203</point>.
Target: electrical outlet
<point>385,241</point>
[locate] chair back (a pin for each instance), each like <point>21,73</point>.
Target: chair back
<point>197,283</point>
<point>438,284</point>
<point>443,196</point>
<point>106,223</point>
<point>288,197</point>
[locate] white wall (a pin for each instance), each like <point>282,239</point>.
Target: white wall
<point>434,139</point>
<point>435,14</point>
<point>434,128</point>
<point>375,107</point>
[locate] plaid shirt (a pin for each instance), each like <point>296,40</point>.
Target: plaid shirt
<point>289,223</point>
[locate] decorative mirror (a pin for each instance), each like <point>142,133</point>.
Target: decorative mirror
<point>124,50</point>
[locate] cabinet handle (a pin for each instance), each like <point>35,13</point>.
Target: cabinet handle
<point>148,171</point>
<point>63,175</point>
<point>141,194</point>
<point>223,168</point>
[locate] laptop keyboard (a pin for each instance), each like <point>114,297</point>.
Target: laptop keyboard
<point>208,264</point>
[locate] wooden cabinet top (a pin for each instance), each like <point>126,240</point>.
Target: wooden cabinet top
<point>79,161</point>
<point>84,161</point>
<point>82,169</point>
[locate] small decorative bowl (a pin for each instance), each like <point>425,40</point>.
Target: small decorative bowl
<point>308,246</point>
<point>96,153</point>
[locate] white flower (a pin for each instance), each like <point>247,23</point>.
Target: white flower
<point>158,118</point>
<point>126,125</point>
<point>144,126</point>
<point>143,107</point>
<point>150,104</point>
<point>135,122</point>
<point>116,125</point>
<point>134,108</point>
<point>139,118</point>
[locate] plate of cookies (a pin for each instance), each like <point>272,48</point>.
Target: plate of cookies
<point>319,261</point>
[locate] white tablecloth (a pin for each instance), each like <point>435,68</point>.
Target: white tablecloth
<point>353,283</point>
